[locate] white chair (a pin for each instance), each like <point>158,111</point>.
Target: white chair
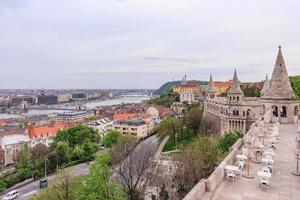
<point>272,146</point>
<point>230,175</point>
<point>269,157</point>
<point>266,169</point>
<point>241,165</point>
<point>264,182</point>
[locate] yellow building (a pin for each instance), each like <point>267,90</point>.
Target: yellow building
<point>188,87</point>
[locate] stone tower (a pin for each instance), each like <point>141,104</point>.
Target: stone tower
<point>211,91</point>
<point>235,94</point>
<point>280,97</point>
<point>266,86</point>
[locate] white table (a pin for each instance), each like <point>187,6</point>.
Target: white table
<point>241,157</point>
<point>264,174</point>
<point>231,168</point>
<point>265,160</point>
<point>269,153</point>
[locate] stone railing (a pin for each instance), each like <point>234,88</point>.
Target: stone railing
<point>206,188</point>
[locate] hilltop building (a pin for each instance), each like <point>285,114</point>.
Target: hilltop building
<point>188,90</point>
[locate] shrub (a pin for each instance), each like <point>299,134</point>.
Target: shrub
<point>3,185</point>
<point>227,140</point>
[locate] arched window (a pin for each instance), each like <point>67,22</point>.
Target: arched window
<point>275,111</point>
<point>244,113</point>
<point>264,109</point>
<point>248,112</point>
<point>235,113</point>
<point>283,112</point>
<point>296,110</point>
<point>237,98</point>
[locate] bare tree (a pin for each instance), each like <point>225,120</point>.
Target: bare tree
<point>132,173</point>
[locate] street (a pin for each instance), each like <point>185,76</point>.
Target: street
<point>27,191</point>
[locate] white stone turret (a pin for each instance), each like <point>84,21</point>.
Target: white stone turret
<point>211,92</point>
<point>235,94</point>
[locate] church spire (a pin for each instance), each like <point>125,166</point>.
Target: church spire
<point>280,86</point>
<point>266,85</point>
<point>235,87</point>
<point>211,87</point>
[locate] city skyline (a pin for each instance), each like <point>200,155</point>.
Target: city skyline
<point>142,44</point>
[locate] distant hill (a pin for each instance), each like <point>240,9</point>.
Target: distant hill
<point>165,88</point>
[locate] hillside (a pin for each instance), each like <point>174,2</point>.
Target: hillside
<point>295,82</point>
<point>165,88</point>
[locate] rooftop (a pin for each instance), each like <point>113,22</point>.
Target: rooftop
<point>14,139</point>
<point>132,122</point>
<point>43,130</point>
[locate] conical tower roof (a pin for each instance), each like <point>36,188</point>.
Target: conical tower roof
<point>280,86</point>
<point>266,85</point>
<point>211,88</point>
<point>235,87</point>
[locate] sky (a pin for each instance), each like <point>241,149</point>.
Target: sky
<point>119,44</point>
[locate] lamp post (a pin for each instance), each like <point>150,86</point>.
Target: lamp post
<point>46,168</point>
<point>297,154</point>
<point>249,148</point>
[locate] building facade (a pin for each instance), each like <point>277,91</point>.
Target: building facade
<point>11,146</point>
<point>237,112</point>
<point>136,128</point>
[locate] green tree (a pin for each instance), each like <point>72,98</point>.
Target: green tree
<point>89,150</point>
<point>98,185</point>
<point>111,138</point>
<point>295,82</point>
<point>193,118</point>
<point>76,136</point>
<point>38,155</point>
<point>170,127</point>
<point>251,91</point>
<point>23,161</point>
<point>62,153</point>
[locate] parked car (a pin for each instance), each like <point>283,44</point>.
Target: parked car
<point>11,195</point>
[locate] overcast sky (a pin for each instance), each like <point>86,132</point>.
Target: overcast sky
<point>143,43</point>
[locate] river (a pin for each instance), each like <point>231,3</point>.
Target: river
<point>89,105</point>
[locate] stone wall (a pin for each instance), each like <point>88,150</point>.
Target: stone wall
<point>214,119</point>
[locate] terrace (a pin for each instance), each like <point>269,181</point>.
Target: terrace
<point>282,184</point>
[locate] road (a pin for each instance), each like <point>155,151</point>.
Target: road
<point>27,191</point>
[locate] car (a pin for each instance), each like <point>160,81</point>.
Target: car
<point>102,148</point>
<point>11,195</point>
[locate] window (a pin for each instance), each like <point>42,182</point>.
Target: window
<point>275,111</point>
<point>296,110</point>
<point>283,112</point>
<point>237,98</point>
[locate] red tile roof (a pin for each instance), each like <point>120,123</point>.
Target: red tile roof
<point>124,116</point>
<point>45,130</point>
<point>2,122</point>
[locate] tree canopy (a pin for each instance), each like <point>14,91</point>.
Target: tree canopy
<point>111,138</point>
